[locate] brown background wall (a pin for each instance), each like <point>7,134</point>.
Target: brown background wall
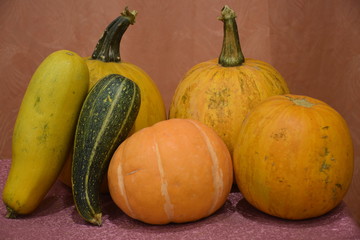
<point>315,44</point>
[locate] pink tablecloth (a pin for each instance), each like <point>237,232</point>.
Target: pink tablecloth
<point>57,218</point>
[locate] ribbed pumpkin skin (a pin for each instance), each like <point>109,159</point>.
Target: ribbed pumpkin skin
<point>175,171</point>
<point>294,161</point>
<point>44,129</point>
<point>220,97</point>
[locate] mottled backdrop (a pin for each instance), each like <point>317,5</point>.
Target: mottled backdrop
<point>315,44</point>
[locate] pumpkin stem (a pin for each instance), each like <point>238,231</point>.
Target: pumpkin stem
<point>10,213</point>
<point>108,47</point>
<point>231,54</point>
<point>301,101</point>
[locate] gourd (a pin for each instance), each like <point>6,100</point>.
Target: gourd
<point>177,170</point>
<point>220,92</point>
<point>44,130</point>
<point>106,60</point>
<point>294,157</point>
<point>105,120</point>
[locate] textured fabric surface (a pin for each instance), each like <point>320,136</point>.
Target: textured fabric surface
<point>314,44</point>
<point>56,218</point>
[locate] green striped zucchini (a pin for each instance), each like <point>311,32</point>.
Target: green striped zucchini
<point>106,118</point>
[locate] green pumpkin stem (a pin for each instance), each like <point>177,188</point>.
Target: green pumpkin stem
<point>231,54</point>
<point>108,47</point>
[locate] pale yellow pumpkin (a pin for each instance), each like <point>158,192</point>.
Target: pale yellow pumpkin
<point>220,92</point>
<point>106,60</point>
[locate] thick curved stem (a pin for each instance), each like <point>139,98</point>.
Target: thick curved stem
<point>231,54</point>
<point>108,47</point>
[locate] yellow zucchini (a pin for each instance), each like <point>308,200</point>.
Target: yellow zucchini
<point>44,130</point>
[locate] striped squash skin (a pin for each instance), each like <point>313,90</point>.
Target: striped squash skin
<point>106,60</point>
<point>106,118</point>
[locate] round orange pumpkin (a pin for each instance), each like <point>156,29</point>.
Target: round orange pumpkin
<point>220,92</point>
<point>294,157</point>
<point>175,171</point>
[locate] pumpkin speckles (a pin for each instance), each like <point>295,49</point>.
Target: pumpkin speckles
<point>279,135</point>
<point>220,92</point>
<point>218,98</point>
<point>283,164</point>
<point>324,166</point>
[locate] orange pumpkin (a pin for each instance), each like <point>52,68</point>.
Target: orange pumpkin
<point>175,171</point>
<point>220,92</point>
<point>294,157</point>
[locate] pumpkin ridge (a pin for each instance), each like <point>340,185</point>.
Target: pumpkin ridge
<point>121,185</point>
<point>168,206</point>
<point>216,171</point>
<point>177,182</point>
